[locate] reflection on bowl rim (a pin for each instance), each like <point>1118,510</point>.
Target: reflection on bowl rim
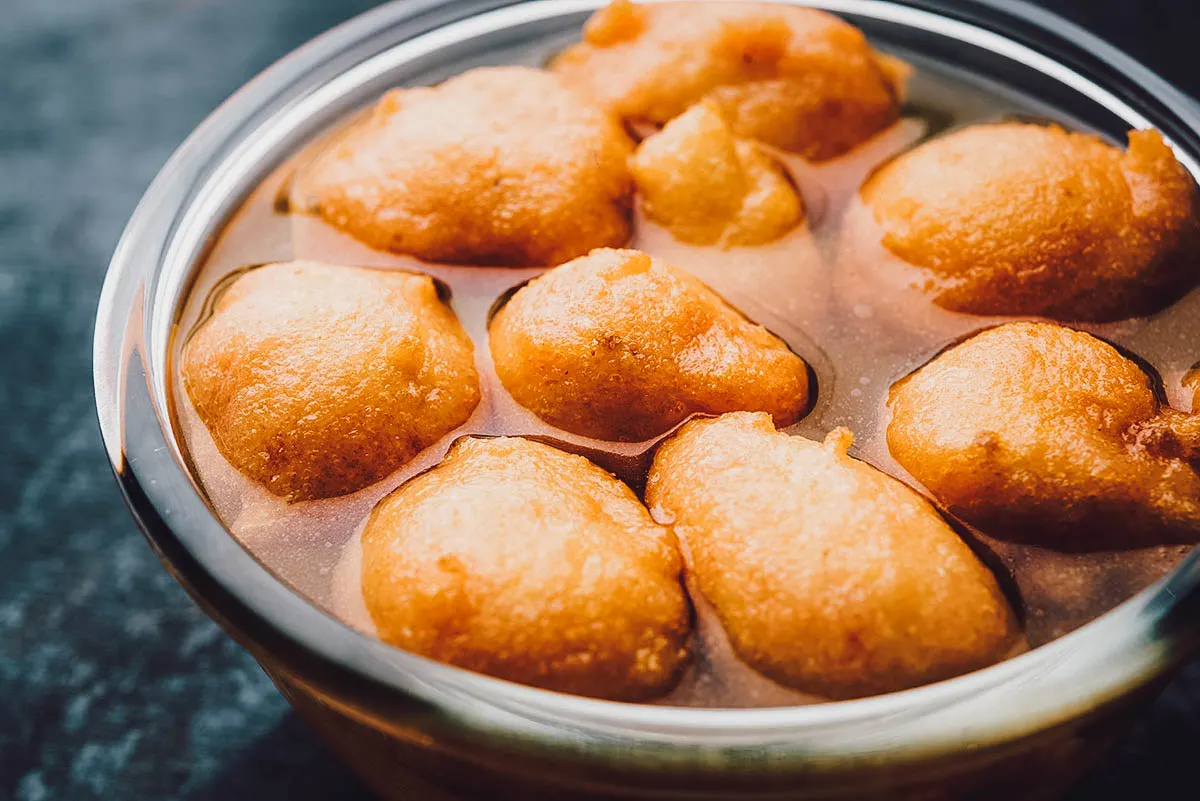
<point>248,135</point>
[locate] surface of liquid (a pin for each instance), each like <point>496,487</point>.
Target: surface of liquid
<point>816,289</point>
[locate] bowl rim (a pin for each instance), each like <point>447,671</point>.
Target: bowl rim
<point>1109,657</point>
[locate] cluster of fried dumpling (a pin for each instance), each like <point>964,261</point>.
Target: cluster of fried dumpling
<point>519,560</point>
<point>317,380</point>
<point>517,166</point>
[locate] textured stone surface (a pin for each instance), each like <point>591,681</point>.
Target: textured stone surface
<point>114,685</point>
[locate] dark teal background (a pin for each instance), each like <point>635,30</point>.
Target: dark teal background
<point>113,685</point>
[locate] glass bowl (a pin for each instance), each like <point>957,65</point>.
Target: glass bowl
<point>417,729</point>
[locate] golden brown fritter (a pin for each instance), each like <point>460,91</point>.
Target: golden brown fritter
<point>621,346</point>
<point>1037,433</point>
<point>830,576</point>
<point>1015,218</point>
<point>501,165</point>
<point>709,187</point>
<point>515,559</point>
<point>317,380</point>
<point>795,78</point>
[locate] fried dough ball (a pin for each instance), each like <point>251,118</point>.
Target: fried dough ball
<point>1041,434</point>
<point>515,559</point>
<point>1015,218</point>
<point>501,165</point>
<point>621,346</point>
<point>795,78</point>
<point>829,576</point>
<point>709,187</point>
<point>317,380</point>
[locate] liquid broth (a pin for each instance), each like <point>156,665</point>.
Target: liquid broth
<point>859,330</point>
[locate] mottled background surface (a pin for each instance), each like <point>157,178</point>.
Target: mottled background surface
<point>112,684</point>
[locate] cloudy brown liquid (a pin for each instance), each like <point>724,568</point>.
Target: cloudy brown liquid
<point>816,289</point>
